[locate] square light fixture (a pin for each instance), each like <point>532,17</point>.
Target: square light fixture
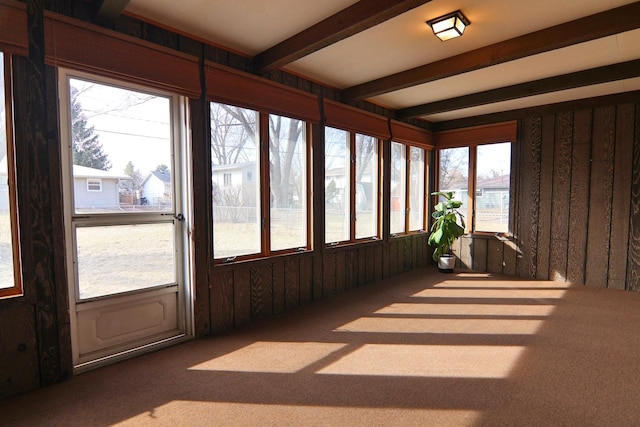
<point>449,26</point>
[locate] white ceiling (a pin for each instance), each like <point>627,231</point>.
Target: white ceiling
<point>405,42</point>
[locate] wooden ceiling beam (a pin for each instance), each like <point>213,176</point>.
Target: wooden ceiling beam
<point>614,21</point>
<point>352,20</point>
<point>608,73</point>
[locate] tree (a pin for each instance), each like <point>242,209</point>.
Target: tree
<point>162,169</point>
<point>87,149</point>
<point>129,186</point>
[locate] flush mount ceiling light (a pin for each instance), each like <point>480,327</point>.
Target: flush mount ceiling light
<point>449,26</point>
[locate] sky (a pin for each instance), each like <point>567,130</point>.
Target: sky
<point>131,126</point>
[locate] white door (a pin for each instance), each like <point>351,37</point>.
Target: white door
<point>125,217</point>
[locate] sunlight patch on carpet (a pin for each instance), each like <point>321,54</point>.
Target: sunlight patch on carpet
<point>467,309</point>
<point>442,326</point>
<point>271,357</point>
<point>185,412</point>
<point>441,361</point>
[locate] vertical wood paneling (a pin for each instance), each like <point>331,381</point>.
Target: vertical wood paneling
<point>386,260</point>
<point>278,286</point>
<point>362,266</point>
<point>633,265</point>
<point>528,198</point>
<point>545,199</point>
<point>456,250</point>
<point>393,257</point>
<point>598,243</point>
<point>370,253</point>
<point>19,371</point>
<point>509,258</point>
<point>379,262</point>
<point>292,282</point>
<point>623,163</point>
<point>329,276</point>
<point>306,280</point>
<point>198,110</point>
<point>341,273</point>
<point>560,202</point>
<point>494,256</point>
<point>352,268</point>
<point>261,291</point>
<point>579,203</point>
<point>318,273</point>
<point>466,252</point>
<point>408,254</point>
<point>400,255</point>
<point>222,301</point>
<point>480,254</point>
<point>242,295</point>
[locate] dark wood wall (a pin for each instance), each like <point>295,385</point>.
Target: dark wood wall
<point>577,201</point>
<point>245,292</point>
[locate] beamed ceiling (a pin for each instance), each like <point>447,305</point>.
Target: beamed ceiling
<point>515,54</point>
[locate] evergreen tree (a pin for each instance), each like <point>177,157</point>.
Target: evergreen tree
<point>87,149</point>
<point>136,178</point>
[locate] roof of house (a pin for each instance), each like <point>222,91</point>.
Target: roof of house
<point>79,172</point>
<point>162,176</point>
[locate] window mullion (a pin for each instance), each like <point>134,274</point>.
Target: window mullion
<point>472,189</point>
<point>352,184</point>
<point>407,195</point>
<point>265,184</point>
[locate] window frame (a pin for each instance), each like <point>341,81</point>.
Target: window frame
<point>470,220</point>
<point>17,289</point>
<point>264,186</point>
<point>352,190</point>
<point>407,202</point>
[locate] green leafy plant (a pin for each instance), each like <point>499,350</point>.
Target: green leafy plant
<point>445,230</point>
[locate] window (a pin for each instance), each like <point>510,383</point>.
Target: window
<point>484,171</point>
<point>407,188</point>
<point>351,186</point>
<point>94,184</point>
<point>10,271</point>
<point>254,217</point>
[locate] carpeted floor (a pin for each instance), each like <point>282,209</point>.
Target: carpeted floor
<point>422,349</point>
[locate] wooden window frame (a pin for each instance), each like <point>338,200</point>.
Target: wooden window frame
<point>17,289</point>
<point>407,202</point>
<point>352,191</point>
<point>265,190</point>
<point>470,223</point>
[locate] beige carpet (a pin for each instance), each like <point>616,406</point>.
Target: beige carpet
<point>419,349</point>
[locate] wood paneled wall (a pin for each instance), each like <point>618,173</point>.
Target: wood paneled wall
<point>245,292</point>
<point>577,202</point>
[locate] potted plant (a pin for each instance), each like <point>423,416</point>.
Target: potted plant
<point>445,230</point>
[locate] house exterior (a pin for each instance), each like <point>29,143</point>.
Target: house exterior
<point>96,189</point>
<point>156,189</point>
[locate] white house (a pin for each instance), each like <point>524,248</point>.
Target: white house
<point>96,188</point>
<point>92,188</point>
<point>156,188</point>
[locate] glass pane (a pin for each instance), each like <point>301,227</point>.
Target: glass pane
<point>416,189</point>
<point>235,174</point>
<point>288,175</point>
<point>398,187</point>
<point>122,138</point>
<point>6,247</point>
<point>454,175</point>
<point>493,177</point>
<point>366,186</point>
<point>336,186</point>
<point>120,258</point>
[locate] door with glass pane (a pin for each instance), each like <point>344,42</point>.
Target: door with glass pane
<point>124,216</point>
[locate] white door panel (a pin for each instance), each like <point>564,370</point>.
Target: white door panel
<point>112,325</point>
